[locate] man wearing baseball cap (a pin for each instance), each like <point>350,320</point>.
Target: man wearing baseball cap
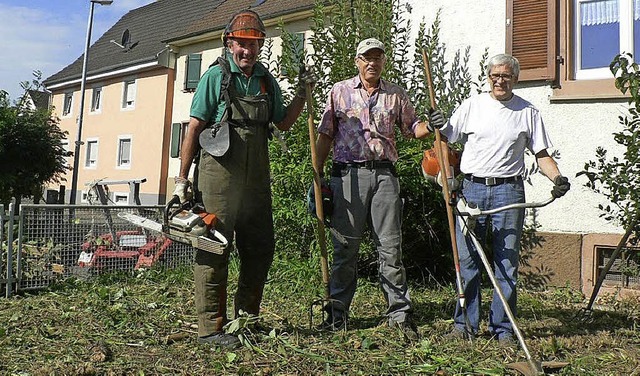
<point>359,121</point>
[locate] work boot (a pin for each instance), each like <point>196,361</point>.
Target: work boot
<point>407,328</point>
<point>457,334</point>
<point>221,339</point>
<point>507,341</point>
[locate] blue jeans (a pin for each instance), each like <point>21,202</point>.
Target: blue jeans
<point>506,231</point>
<point>368,196</point>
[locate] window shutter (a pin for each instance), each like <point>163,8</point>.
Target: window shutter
<point>532,37</point>
<point>175,139</point>
<point>192,74</point>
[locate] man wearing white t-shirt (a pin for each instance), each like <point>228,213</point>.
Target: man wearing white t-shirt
<point>495,128</point>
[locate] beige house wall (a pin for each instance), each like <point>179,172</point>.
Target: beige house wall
<point>146,124</point>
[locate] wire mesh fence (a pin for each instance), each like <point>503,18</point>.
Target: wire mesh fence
<point>55,242</point>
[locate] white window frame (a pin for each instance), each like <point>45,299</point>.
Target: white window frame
<point>84,195</point>
<point>97,92</point>
<point>625,11</point>
<point>65,146</point>
<point>69,113</point>
<point>128,99</point>
<point>87,164</point>
<point>119,164</point>
<point>115,195</point>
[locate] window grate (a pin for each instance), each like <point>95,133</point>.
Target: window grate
<point>625,270</point>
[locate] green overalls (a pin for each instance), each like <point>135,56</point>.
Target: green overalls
<point>236,187</point>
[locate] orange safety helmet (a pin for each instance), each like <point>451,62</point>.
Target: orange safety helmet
<point>430,166</point>
<point>245,24</point>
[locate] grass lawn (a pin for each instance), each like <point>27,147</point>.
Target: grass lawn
<point>144,324</point>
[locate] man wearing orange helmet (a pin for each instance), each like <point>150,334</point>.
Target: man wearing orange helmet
<point>235,102</point>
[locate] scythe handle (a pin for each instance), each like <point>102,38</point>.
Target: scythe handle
<point>443,162</point>
<point>324,264</point>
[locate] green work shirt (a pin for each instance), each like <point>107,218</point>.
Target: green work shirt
<point>207,104</point>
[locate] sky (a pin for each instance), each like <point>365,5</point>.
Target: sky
<point>48,35</point>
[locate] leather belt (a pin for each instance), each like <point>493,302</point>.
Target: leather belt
<point>385,163</point>
<point>492,181</point>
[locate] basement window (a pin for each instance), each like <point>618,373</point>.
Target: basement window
<point>625,271</point>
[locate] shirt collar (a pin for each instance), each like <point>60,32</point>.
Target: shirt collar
<point>356,83</point>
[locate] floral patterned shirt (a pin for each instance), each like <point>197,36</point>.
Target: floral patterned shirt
<point>362,125</point>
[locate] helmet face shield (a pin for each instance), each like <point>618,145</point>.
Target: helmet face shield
<point>246,25</point>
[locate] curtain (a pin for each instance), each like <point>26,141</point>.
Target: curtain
<point>602,12</point>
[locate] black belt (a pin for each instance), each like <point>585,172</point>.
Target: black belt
<point>384,163</point>
<point>492,181</point>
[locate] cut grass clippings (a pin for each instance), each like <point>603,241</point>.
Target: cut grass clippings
<point>143,324</point>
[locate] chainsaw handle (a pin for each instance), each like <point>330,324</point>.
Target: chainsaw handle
<point>168,214</point>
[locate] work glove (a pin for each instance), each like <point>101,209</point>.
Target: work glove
<point>452,183</point>
<point>436,120</point>
<point>327,199</point>
<point>182,189</point>
<point>307,76</point>
<point>561,186</point>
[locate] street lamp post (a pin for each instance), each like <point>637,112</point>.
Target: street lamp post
<point>83,82</point>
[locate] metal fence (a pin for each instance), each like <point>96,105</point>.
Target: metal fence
<point>49,243</point>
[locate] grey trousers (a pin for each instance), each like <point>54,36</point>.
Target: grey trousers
<point>368,196</point>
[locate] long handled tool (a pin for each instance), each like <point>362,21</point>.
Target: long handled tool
<point>322,244</point>
<point>466,212</point>
<point>443,162</point>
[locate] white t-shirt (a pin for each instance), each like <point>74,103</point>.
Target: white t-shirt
<point>495,133</point>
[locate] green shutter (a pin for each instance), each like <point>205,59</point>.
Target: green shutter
<point>175,139</point>
<point>192,73</point>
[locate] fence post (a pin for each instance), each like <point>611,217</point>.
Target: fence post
<point>19,250</point>
<point>2,215</point>
<point>12,207</point>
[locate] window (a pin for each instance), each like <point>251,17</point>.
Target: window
<point>178,130</point>
<point>96,99</point>
<point>68,153</point>
<point>192,72</point>
<point>91,160</point>
<point>571,43</point>
<point>124,151</point>
<point>604,28</point>
<point>129,94</point>
<point>121,198</point>
<point>624,270</point>
<point>67,104</point>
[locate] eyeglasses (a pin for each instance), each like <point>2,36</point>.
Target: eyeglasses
<point>371,59</point>
<point>496,76</point>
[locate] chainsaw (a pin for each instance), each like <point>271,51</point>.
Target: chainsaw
<point>186,223</point>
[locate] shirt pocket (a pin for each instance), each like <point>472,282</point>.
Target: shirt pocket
<point>383,121</point>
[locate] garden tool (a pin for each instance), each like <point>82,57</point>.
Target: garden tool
<point>319,210</point>
<point>445,170</point>
<point>185,223</point>
<point>467,211</point>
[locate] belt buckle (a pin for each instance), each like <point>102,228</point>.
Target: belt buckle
<point>369,164</point>
<point>490,181</point>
